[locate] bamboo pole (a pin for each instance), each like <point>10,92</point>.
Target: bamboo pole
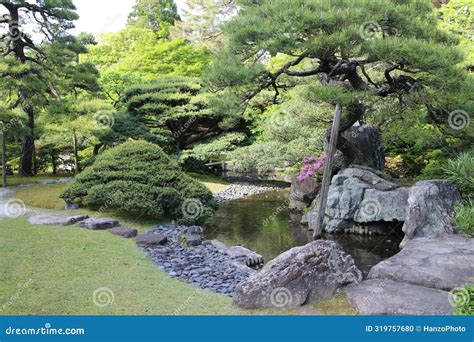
<point>328,172</point>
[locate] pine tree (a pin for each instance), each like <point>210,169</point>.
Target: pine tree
<point>387,57</point>
<point>40,67</point>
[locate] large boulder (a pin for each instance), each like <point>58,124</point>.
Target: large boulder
<point>298,276</point>
<point>360,195</point>
<point>303,192</point>
<point>362,145</point>
<point>430,210</point>
<point>444,263</point>
<point>387,297</point>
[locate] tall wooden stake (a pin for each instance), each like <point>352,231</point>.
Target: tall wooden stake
<point>328,172</point>
<point>4,159</point>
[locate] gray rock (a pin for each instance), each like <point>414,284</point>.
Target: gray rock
<point>360,195</point>
<point>387,297</point>
<point>99,223</point>
<point>430,210</point>
<point>303,193</point>
<point>47,181</point>
<point>298,276</point>
<point>194,236</point>
<point>438,263</point>
<point>124,232</point>
<point>56,220</point>
<point>148,239</point>
<point>71,206</point>
<point>363,146</point>
<point>239,253</point>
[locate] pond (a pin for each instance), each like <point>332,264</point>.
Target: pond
<point>264,224</point>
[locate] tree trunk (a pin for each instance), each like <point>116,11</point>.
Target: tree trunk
<point>4,159</point>
<point>54,163</point>
<point>28,145</point>
<point>328,172</point>
<point>76,155</point>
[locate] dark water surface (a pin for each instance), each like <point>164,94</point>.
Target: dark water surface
<point>264,224</point>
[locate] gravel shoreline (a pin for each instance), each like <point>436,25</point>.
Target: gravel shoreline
<point>201,266</point>
<point>241,190</point>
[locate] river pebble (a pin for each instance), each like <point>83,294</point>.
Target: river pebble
<point>201,266</point>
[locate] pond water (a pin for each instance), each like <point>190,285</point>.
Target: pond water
<point>264,224</point>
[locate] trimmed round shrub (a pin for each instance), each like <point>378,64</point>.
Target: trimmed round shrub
<point>139,178</point>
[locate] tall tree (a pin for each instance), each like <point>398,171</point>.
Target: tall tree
<point>154,14</point>
<point>203,19</point>
<point>36,60</point>
<point>387,57</point>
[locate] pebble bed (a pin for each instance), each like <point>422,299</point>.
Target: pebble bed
<point>240,190</point>
<point>202,266</point>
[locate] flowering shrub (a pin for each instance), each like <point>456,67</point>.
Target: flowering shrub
<point>312,167</point>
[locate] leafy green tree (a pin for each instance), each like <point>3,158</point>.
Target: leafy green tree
<point>38,69</point>
<point>12,125</point>
<point>203,19</point>
<point>154,14</point>
<point>72,125</point>
<point>135,55</point>
<point>176,109</point>
<point>458,17</point>
<point>382,61</point>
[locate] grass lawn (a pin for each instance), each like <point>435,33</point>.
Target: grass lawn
<point>55,270</point>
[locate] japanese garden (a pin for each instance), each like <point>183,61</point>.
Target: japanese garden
<point>238,157</point>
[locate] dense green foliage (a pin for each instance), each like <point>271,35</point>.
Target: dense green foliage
<point>385,62</point>
<point>461,171</point>
<point>176,111</point>
<point>139,178</point>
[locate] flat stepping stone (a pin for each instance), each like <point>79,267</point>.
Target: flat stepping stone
<point>148,239</point>
<point>99,223</point>
<point>124,232</point>
<point>56,220</point>
<point>387,297</point>
<point>444,263</point>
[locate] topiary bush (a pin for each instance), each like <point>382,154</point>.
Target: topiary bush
<point>139,178</point>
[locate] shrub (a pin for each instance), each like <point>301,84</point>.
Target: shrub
<point>465,217</point>
<point>464,301</point>
<point>461,172</point>
<point>138,177</point>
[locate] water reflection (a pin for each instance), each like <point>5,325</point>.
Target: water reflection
<point>263,223</point>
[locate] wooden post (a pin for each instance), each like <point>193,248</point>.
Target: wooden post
<point>4,159</point>
<point>76,156</point>
<point>328,172</point>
